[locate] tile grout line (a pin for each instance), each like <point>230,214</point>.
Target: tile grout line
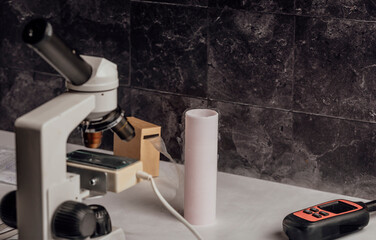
<point>169,4</point>
<point>259,12</point>
<point>130,45</point>
<point>251,105</point>
<point>208,24</point>
<point>293,61</point>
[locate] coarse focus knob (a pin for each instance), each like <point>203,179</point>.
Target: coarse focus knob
<point>8,211</point>
<point>104,226</point>
<point>73,220</point>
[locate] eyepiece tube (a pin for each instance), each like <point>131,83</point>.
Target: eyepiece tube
<point>38,35</point>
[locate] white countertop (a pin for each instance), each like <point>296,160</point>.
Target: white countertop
<point>247,208</point>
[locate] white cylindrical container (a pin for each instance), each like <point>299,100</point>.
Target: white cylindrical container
<point>200,181</point>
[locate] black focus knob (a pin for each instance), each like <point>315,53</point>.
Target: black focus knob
<point>8,211</point>
<point>73,220</point>
<point>103,226</point>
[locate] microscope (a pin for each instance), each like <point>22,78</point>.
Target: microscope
<point>47,204</point>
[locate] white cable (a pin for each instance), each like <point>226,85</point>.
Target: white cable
<point>160,146</point>
<point>146,176</point>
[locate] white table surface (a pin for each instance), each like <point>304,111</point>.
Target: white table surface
<point>247,208</point>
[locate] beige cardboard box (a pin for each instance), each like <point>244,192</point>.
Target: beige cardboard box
<point>139,148</point>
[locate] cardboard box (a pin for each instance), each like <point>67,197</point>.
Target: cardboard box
<point>139,147</point>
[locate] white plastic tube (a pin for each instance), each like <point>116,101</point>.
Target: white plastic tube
<point>201,151</point>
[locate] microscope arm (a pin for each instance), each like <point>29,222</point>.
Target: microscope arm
<point>42,180</point>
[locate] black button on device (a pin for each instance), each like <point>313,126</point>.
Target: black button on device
<point>307,211</point>
<point>324,213</point>
<point>314,209</point>
<point>316,215</point>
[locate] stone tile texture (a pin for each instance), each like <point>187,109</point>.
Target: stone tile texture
<point>340,152</point>
<point>335,68</point>
<point>169,48</point>
<point>251,58</point>
<point>254,142</point>
<point>280,6</point>
<point>22,91</point>
<point>351,9</point>
<point>202,3</point>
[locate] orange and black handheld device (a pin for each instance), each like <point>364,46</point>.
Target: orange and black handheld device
<point>328,220</point>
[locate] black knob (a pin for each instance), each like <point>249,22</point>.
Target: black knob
<point>8,211</point>
<point>103,226</point>
<point>73,220</point>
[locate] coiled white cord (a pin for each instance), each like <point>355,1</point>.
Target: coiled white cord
<point>146,176</point>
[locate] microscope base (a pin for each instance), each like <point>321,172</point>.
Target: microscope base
<point>116,234</point>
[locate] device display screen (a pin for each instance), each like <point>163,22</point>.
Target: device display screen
<point>337,207</point>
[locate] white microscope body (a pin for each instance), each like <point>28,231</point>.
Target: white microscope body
<point>41,137</point>
<point>45,190</point>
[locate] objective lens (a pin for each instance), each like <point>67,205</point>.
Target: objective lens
<point>92,140</point>
<point>124,130</point>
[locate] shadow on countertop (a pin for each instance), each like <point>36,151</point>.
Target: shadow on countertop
<point>280,235</point>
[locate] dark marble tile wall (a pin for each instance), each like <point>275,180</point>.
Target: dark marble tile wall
<point>338,155</point>
<point>202,3</point>
<point>250,57</point>
<point>256,142</point>
<point>292,80</point>
<point>355,9</point>
<point>280,6</point>
<point>23,90</point>
<point>335,67</point>
<point>169,48</point>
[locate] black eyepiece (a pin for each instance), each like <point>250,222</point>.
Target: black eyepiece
<point>36,30</point>
<point>39,35</point>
